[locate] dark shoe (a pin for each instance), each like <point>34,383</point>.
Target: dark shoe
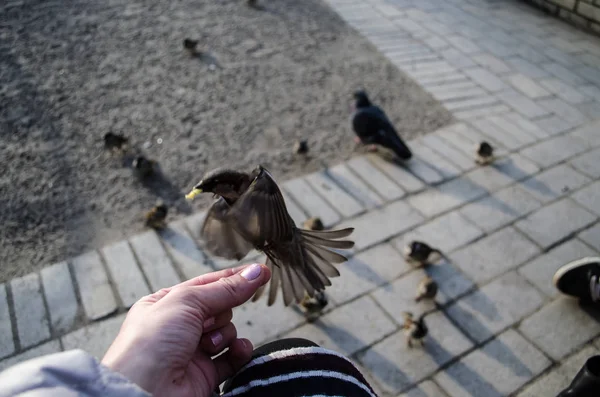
<point>587,381</point>
<point>580,278</point>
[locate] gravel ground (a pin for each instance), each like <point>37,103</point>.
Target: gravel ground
<point>72,70</point>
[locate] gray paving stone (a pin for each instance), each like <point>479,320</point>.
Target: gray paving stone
<point>399,296</point>
<point>7,346</point>
<point>486,79</point>
<point>338,330</point>
<point>492,63</point>
<point>462,44</point>
<point>125,272</point>
<point>527,86</point>
<point>481,112</point>
<point>590,109</point>
<point>458,158</point>
<point>94,288</point>
<point>446,196</point>
<point>430,68</point>
<point>565,91</point>
<point>95,338</point>
<point>60,296</point>
<point>555,222</point>
<point>436,43</point>
<point>382,224</point>
<point>554,125</point>
<point>552,383</point>
<point>293,209</point>
<point>475,137</point>
<point>591,74</point>
<point>591,236</point>
<point>397,367</point>
<point>495,306</point>
<point>508,128</point>
<point>184,250</point>
<point>555,182</point>
<point>338,198</point>
<point>498,369</point>
<point>424,171</point>
<point>445,78</point>
<point>541,270</point>
<point>310,201</point>
<point>446,232</point>
<point>563,73</point>
<point>516,167</point>
<point>497,48</point>
<point>588,133</point>
<point>251,322</point>
<point>489,178</point>
<point>589,197</point>
<point>47,348</point>
<point>154,260</point>
<point>501,208</point>
<point>481,102</point>
<point>367,271</point>
<point>524,125</point>
<point>493,255</point>
<point>435,161</point>
<point>456,91</point>
<point>522,104</point>
<point>376,179</point>
<point>563,110</point>
<point>591,91</point>
<point>554,150</point>
<point>527,68</point>
<point>425,389</point>
<point>571,327</point>
<point>351,183</point>
<point>403,178</point>
<point>457,58</point>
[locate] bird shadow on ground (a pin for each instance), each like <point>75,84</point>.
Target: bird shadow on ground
<point>362,270</point>
<point>182,244</point>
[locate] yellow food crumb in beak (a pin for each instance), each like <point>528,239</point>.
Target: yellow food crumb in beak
<point>192,195</point>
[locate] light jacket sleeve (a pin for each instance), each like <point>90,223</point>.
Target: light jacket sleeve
<point>70,373</point>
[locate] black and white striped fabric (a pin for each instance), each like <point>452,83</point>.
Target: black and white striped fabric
<point>297,367</point>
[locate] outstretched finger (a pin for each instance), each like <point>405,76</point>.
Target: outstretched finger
<point>216,341</point>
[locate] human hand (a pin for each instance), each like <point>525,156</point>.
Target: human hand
<point>166,342</point>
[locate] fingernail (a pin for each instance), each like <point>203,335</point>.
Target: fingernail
<point>252,272</point>
<point>209,323</point>
<point>216,338</point>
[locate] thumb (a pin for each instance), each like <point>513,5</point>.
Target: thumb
<point>228,292</point>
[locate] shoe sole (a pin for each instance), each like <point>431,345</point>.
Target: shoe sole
<point>572,265</point>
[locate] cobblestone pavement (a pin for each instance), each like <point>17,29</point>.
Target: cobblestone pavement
<point>513,76</point>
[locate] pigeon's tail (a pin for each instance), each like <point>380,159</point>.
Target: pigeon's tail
<point>398,146</point>
<point>309,267</point>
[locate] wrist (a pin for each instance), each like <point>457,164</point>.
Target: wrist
<point>135,363</point>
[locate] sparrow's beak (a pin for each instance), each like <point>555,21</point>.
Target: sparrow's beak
<point>192,195</point>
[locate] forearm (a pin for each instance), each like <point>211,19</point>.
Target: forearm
<point>69,373</point>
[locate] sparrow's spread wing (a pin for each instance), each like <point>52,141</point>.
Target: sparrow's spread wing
<point>220,235</point>
<point>260,213</point>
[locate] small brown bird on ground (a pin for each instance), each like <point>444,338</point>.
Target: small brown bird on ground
<point>251,213</point>
<point>314,306</point>
<point>427,289</point>
<point>301,147</point>
<point>191,46</point>
<point>420,253</point>
<point>485,153</point>
<point>155,218</point>
<point>143,167</point>
<point>313,223</point>
<point>115,142</point>
<point>414,330</point>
